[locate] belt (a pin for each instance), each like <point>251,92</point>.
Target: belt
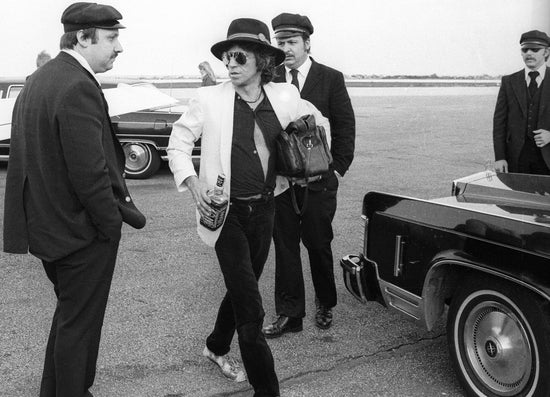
<point>263,197</point>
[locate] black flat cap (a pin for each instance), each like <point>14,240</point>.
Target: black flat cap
<point>288,25</point>
<point>534,39</point>
<point>90,15</point>
<point>251,31</point>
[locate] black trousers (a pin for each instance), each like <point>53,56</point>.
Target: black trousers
<point>81,283</point>
<point>531,160</point>
<point>314,229</point>
<point>242,249</point>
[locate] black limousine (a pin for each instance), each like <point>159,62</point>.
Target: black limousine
<point>484,254</point>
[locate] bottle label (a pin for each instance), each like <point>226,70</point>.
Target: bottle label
<point>216,217</point>
<point>218,206</point>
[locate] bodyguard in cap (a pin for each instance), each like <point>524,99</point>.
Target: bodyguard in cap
<point>521,122</point>
<point>324,87</point>
<point>65,196</point>
<point>238,122</point>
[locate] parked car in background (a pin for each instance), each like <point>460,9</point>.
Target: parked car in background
<point>483,253</point>
<point>143,134</point>
<point>10,88</point>
<point>144,137</point>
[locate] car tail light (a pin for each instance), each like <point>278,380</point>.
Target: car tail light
<point>354,276</point>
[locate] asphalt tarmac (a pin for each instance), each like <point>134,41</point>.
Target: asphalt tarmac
<point>167,285</point>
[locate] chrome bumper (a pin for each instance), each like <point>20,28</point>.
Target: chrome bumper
<point>360,277</point>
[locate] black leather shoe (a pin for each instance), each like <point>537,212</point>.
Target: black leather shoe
<point>323,317</point>
<point>282,325</point>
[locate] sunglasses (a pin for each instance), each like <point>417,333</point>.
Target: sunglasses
<point>240,57</point>
<point>524,50</point>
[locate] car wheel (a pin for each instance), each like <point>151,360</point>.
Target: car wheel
<point>498,340</point>
<point>142,160</point>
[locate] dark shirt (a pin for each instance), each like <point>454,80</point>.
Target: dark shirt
<point>247,175</point>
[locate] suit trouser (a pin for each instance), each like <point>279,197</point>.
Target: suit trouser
<point>242,249</point>
<point>81,283</point>
<point>314,229</point>
<point>531,161</point>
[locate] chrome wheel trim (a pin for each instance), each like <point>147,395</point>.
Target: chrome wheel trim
<point>138,157</point>
<point>499,347</point>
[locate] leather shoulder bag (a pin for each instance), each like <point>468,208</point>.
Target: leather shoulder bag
<point>303,153</point>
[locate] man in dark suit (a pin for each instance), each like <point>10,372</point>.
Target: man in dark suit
<point>65,196</point>
<point>521,123</point>
<point>324,87</point>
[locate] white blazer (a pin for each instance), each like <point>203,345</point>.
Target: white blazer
<point>210,116</point>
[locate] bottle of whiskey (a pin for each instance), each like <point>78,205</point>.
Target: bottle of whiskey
<point>219,202</point>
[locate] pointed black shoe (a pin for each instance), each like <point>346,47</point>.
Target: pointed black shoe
<point>282,325</point>
<point>323,317</point>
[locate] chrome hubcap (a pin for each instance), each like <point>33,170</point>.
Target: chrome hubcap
<point>498,348</point>
<point>137,157</point>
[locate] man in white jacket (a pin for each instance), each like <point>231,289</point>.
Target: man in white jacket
<point>238,122</point>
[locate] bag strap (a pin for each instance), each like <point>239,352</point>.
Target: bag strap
<point>298,210</point>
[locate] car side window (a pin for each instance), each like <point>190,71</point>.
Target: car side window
<point>13,91</point>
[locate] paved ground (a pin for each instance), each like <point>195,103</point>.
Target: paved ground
<point>167,285</point>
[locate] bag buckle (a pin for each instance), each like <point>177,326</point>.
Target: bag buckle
<point>307,141</point>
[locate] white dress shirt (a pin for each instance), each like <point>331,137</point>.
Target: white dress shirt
<point>540,77</point>
<point>303,70</point>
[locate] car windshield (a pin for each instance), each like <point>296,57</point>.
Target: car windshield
<point>519,190</point>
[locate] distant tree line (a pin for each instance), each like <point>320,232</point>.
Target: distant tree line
<point>431,76</point>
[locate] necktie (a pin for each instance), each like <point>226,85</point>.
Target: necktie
<point>294,73</point>
<point>533,83</point>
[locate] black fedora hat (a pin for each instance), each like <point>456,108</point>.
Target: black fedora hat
<point>250,31</point>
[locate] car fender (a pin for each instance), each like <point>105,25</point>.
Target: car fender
<point>443,278</point>
<point>144,141</point>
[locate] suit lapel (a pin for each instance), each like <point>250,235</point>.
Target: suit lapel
<point>544,100</point>
<point>519,88</point>
<point>279,104</point>
<point>226,138</point>
<point>544,117</point>
<point>116,143</point>
<point>312,78</point>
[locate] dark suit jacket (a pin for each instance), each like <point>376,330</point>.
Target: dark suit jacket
<point>325,88</point>
<point>64,186</point>
<point>510,118</point>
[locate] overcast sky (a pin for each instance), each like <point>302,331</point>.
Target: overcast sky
<point>386,37</point>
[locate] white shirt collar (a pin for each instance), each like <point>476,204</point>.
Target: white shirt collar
<point>540,77</point>
<point>303,71</point>
<point>81,60</point>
